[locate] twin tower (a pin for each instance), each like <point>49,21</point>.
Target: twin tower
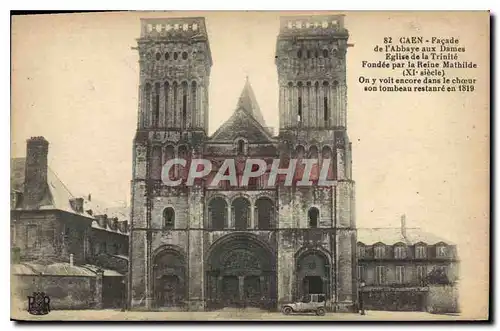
<point>201,248</point>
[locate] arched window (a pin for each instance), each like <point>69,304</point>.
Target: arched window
<point>326,111</point>
<point>379,251</point>
<point>217,213</point>
<point>156,163</point>
<point>299,53</point>
<point>313,216</point>
<point>174,108</point>
<point>168,218</point>
<point>156,107</point>
<point>299,103</point>
<point>313,154</point>
<point>147,108</point>
<point>241,213</point>
<point>183,154</point>
<point>326,153</point>
<point>325,53</point>
<point>241,147</point>
<point>399,251</point>
<point>265,213</point>
<point>166,110</point>
<point>193,103</point>
<point>184,104</point>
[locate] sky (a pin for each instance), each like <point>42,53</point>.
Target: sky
<point>75,82</point>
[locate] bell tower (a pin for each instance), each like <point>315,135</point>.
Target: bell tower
<point>311,64</point>
<point>175,64</point>
<point>310,58</point>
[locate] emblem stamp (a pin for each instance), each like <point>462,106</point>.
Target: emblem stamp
<point>38,304</point>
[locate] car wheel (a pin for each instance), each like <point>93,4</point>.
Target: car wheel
<point>287,310</point>
<point>320,312</point>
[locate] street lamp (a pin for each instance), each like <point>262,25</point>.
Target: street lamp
<point>361,306</point>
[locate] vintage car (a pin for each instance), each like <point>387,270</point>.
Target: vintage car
<point>312,303</point>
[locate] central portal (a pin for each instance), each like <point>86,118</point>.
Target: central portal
<point>241,273</point>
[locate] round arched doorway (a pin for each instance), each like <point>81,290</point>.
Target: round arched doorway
<point>169,278</point>
<point>312,273</point>
<point>241,273</point>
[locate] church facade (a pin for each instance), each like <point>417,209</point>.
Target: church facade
<point>202,247</point>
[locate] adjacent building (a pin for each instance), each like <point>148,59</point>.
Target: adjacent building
<point>63,245</point>
<point>407,269</point>
<point>200,247</point>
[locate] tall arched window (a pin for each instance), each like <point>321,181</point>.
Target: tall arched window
<point>313,216</point>
<point>241,213</point>
<point>184,104</point>
<point>326,153</point>
<point>193,104</point>
<point>156,106</point>
<point>241,147</point>
<point>169,155</point>
<point>217,213</point>
<point>156,163</point>
<point>299,103</point>
<point>183,154</point>
<point>326,110</point>
<point>168,218</point>
<point>166,114</point>
<point>147,105</point>
<point>264,213</point>
<point>175,107</point>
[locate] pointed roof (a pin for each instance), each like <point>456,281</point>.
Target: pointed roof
<point>248,102</point>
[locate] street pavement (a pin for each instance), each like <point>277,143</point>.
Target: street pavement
<point>224,315</point>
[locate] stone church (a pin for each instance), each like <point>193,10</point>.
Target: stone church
<point>200,247</point>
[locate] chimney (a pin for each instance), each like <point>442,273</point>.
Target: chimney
<point>403,225</point>
<point>71,260</point>
<point>35,176</point>
<point>90,197</point>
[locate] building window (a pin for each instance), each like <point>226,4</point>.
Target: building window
<point>31,236</point>
<point>193,103</point>
<point>326,114</point>
<point>421,273</point>
<point>379,252</point>
<point>325,53</point>
<point>241,147</point>
<point>313,215</point>
<point>420,252</point>
<point>400,274</point>
<point>361,251</point>
<point>400,252</point>
<point>184,104</point>
<point>361,272</point>
<point>299,113</point>
<point>168,218</point>
<point>441,251</point>
<point>380,275</point>
<point>156,110</point>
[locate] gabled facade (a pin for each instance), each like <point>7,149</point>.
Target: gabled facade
<point>203,247</point>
